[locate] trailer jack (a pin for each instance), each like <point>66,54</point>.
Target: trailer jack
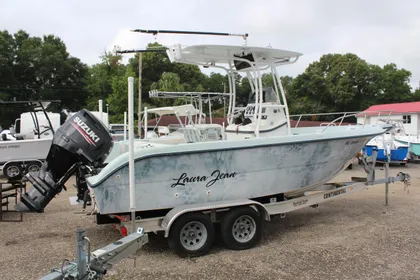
<point>93,266</point>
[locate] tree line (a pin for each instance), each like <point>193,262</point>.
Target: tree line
<point>33,68</point>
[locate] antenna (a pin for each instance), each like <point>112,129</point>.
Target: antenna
<point>143,50</point>
<point>156,32</point>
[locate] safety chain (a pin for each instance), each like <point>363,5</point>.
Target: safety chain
<point>93,275</point>
<point>406,181</point>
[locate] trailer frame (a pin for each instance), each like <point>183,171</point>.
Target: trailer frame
<point>309,199</point>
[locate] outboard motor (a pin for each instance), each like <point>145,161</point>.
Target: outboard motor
<point>81,140</point>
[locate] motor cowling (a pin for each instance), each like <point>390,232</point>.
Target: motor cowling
<point>82,140</point>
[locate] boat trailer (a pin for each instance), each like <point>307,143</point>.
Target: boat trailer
<point>218,212</point>
<point>94,265</point>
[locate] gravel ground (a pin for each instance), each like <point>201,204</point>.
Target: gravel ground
<point>355,237</point>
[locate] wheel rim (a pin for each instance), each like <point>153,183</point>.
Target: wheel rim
<point>33,168</point>
<point>244,229</point>
<point>193,235</point>
<point>12,171</point>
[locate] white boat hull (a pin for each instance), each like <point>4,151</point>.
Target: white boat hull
<point>23,150</point>
<point>173,175</point>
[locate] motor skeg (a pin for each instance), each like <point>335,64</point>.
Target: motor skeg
<point>82,140</point>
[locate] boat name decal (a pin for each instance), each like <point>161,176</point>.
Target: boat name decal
<point>10,147</point>
<point>215,176</point>
<point>300,202</point>
<point>86,131</point>
<point>352,142</point>
<point>334,193</point>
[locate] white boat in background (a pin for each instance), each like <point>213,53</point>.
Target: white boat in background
<point>186,131</point>
<point>117,131</point>
<point>387,145</point>
<point>413,141</point>
<point>410,140</point>
<point>23,149</point>
<point>181,132</point>
<point>169,134</point>
<point>261,157</point>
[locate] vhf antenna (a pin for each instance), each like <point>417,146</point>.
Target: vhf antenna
<point>156,32</point>
<point>143,50</point>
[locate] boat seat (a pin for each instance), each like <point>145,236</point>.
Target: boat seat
<point>193,135</point>
<point>247,121</point>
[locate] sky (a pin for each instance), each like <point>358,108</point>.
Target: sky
<point>379,32</point>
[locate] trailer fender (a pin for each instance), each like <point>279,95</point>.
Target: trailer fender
<point>21,161</point>
<point>176,212</point>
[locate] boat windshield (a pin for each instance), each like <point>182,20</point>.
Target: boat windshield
<point>269,95</point>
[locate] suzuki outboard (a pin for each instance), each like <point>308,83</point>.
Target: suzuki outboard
<point>83,140</point>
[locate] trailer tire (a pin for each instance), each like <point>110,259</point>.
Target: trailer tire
<point>33,166</point>
<point>13,171</point>
<point>241,228</point>
<point>191,235</point>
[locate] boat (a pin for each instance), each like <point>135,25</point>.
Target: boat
<point>413,141</point>
<point>190,123</point>
<point>387,145</point>
<point>118,131</point>
<point>26,145</point>
<point>260,156</point>
<point>237,181</point>
<point>410,140</point>
<point>170,134</point>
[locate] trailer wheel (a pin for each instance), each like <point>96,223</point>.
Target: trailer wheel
<point>33,166</point>
<point>191,235</point>
<point>241,228</point>
<point>13,170</point>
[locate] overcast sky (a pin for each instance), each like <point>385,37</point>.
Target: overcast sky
<point>380,32</point>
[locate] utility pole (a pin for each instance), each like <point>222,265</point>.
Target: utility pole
<point>224,101</point>
<point>140,52</point>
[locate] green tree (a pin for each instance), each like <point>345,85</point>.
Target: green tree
<point>334,83</point>
<point>168,82</point>
<point>118,99</point>
<point>154,64</point>
<point>100,77</point>
<point>34,68</point>
<point>40,68</point>
<point>395,85</point>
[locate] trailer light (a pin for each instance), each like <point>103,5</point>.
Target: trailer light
<point>123,231</point>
